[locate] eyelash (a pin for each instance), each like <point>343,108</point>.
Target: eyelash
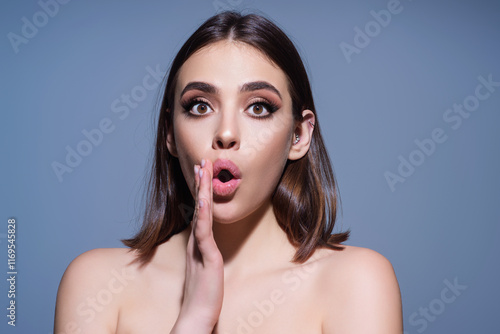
<point>188,105</point>
<point>270,107</point>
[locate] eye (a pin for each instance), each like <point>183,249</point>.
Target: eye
<point>261,109</point>
<point>258,109</point>
<point>200,108</point>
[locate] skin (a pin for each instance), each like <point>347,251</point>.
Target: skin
<point>230,271</point>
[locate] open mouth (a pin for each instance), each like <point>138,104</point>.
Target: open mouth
<point>225,176</point>
<point>226,179</point>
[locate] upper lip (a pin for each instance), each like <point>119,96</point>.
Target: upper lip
<point>221,164</point>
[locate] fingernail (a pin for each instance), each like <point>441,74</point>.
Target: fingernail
<point>196,169</point>
<point>201,203</point>
<point>201,172</point>
<point>202,163</point>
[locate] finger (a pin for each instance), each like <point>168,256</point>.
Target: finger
<point>210,182</point>
<point>191,242</point>
<point>204,236</point>
<point>205,181</point>
<point>196,187</point>
<point>203,231</point>
<point>196,180</point>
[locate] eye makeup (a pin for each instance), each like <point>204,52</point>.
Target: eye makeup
<point>270,106</point>
<point>188,104</point>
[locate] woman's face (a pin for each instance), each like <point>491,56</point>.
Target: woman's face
<point>232,103</point>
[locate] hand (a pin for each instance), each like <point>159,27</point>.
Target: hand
<point>204,283</point>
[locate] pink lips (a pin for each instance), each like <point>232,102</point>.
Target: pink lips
<point>225,188</point>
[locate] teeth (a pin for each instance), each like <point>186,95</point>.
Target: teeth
<point>224,175</point>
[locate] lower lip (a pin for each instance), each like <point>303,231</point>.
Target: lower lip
<point>225,188</point>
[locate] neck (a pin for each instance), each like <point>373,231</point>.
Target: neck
<point>255,242</point>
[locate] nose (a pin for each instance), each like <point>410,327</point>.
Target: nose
<point>227,135</point>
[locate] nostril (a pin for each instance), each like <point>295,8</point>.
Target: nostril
<point>221,144</point>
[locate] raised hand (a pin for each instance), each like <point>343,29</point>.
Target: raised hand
<point>204,283</point>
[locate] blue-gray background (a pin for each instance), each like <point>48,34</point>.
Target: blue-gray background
<point>440,225</point>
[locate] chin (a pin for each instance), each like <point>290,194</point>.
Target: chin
<point>225,215</point>
<point>229,212</point>
<point>224,221</point>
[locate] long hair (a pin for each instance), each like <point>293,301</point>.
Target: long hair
<point>305,200</point>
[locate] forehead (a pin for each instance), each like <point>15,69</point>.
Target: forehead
<point>229,65</point>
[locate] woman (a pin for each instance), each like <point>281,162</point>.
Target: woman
<point>238,140</point>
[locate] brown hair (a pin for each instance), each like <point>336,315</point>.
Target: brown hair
<point>305,200</point>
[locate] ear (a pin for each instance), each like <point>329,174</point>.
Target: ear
<point>172,148</point>
<point>304,129</point>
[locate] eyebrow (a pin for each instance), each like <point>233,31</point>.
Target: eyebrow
<point>248,87</point>
<point>198,85</point>
<point>257,85</point>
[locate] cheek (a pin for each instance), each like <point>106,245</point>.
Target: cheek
<point>189,152</point>
<point>190,139</point>
<point>186,142</point>
<point>270,143</point>
<point>271,139</point>
<point>267,152</point>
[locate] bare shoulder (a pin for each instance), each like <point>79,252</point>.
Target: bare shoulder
<point>360,260</point>
<point>362,292</point>
<point>96,266</point>
<point>101,257</point>
<point>89,294</point>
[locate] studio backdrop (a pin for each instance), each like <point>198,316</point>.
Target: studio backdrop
<point>408,98</point>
